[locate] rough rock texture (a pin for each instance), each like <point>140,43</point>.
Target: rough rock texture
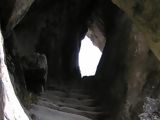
<point>112,67</point>
<point>15,67</point>
<point>146,16</point>
<point>12,11</point>
<point>126,68</point>
<point>1,100</point>
<point>9,102</point>
<point>96,34</point>
<point>35,71</point>
<point>151,109</point>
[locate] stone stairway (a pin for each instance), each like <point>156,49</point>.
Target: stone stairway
<point>66,104</point>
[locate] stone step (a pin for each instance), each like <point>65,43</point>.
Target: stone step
<point>57,93</point>
<point>57,107</point>
<point>66,89</point>
<point>89,114</point>
<point>87,102</point>
<point>79,95</point>
<point>48,104</point>
<point>45,113</point>
<point>80,107</point>
<point>66,104</point>
<point>69,94</point>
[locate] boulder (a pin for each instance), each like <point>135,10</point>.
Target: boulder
<point>35,69</point>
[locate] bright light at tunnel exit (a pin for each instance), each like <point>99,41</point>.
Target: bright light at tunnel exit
<point>89,57</point>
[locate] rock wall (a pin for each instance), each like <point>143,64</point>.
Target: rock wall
<point>9,104</point>
<point>145,16</point>
<point>124,74</point>
<point>1,101</point>
<point>11,13</point>
<point>112,67</point>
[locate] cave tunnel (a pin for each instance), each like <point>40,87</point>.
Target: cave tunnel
<point>43,55</point>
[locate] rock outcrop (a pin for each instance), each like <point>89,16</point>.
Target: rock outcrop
<point>1,101</point>
<point>9,104</point>
<point>35,70</point>
<point>145,16</point>
<point>12,11</point>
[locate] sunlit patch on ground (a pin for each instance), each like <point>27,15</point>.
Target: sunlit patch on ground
<point>89,57</point>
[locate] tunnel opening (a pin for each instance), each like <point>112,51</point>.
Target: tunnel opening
<point>89,57</point>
